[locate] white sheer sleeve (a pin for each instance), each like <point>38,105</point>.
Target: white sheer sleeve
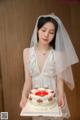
<point>67,77</point>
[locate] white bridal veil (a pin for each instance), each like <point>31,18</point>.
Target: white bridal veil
<point>65,54</point>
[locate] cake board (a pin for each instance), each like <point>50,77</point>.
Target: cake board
<point>29,111</point>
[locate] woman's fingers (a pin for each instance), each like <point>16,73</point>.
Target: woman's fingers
<point>23,102</point>
<point>61,102</point>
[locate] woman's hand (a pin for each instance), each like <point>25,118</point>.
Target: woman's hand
<point>23,102</point>
<point>60,91</point>
<point>61,101</point>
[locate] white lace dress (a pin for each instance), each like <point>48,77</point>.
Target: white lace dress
<point>45,77</point>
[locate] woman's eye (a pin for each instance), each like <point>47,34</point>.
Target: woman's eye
<point>43,30</point>
<point>51,32</point>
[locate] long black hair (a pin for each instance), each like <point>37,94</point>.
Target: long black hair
<point>41,22</point>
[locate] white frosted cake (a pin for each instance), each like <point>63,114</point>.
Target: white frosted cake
<point>42,102</point>
<point>42,98</point>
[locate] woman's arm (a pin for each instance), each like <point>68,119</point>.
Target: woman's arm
<point>60,91</point>
<point>27,84</point>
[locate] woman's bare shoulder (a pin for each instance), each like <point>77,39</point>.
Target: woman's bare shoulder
<point>25,51</point>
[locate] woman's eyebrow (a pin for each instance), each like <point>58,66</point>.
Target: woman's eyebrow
<point>50,29</point>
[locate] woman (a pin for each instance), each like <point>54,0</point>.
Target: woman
<point>48,61</point>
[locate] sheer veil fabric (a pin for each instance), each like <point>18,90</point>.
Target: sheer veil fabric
<point>65,54</point>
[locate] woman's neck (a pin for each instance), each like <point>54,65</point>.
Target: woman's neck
<point>43,48</point>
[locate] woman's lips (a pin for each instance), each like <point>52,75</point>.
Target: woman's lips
<point>45,39</point>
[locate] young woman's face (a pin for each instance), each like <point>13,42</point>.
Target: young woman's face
<point>46,33</point>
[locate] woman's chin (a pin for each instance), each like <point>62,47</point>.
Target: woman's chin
<point>45,42</point>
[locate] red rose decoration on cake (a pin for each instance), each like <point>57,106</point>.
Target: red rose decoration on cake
<point>41,93</point>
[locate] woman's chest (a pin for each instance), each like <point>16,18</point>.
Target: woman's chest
<point>42,64</point>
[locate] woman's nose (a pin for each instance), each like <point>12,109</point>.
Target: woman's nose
<point>46,34</point>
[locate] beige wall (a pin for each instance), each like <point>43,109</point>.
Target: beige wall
<point>17,19</point>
